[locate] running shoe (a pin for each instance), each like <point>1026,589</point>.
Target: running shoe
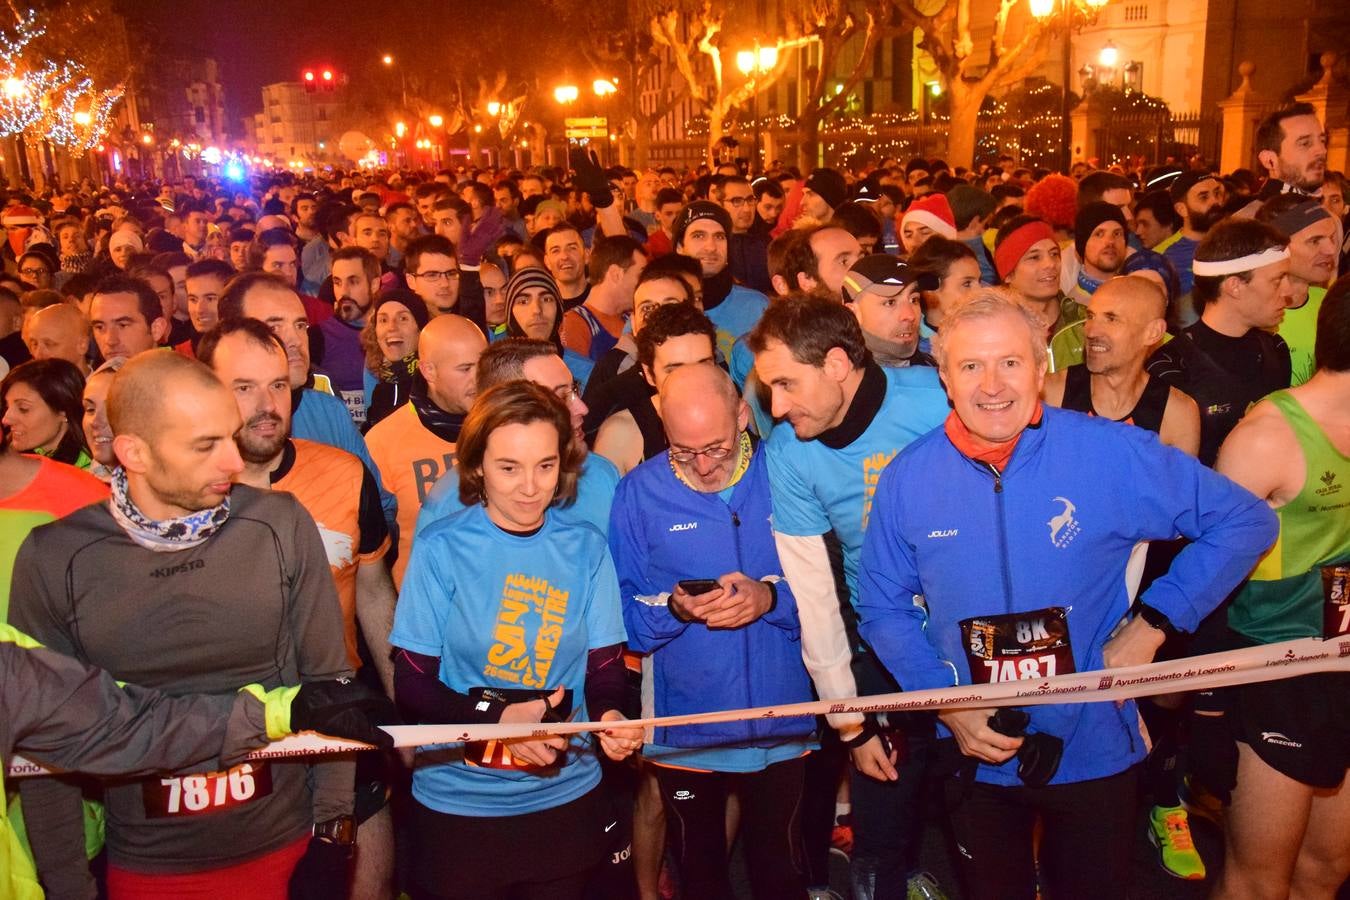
<point>1197,800</point>
<point>923,886</point>
<point>841,836</point>
<point>1169,829</point>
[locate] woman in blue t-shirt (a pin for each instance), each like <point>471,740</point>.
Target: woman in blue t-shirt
<point>509,614</point>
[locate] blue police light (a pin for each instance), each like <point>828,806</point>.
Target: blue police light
<point>234,170</point>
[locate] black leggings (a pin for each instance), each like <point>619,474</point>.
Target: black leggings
<point>696,804</point>
<point>1086,843</point>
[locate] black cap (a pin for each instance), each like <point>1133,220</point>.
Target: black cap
<point>885,275</point>
<point>415,304</point>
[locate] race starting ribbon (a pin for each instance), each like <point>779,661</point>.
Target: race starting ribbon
<point>1268,662</point>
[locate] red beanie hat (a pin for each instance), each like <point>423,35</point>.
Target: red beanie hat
<point>1055,199</point>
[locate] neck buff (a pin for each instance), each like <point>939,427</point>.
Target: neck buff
<point>716,287</point>
<point>1087,282</point>
<point>434,419</point>
<point>996,455</point>
<point>168,535</point>
<point>399,371</point>
<point>745,448</point>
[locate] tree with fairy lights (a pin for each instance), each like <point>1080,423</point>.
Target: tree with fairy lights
<point>49,68</point>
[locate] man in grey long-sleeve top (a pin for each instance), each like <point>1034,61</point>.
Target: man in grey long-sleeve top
<point>189,585</point>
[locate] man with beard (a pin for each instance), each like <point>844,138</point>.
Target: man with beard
<point>1099,239</point>
<point>1291,145</point>
<point>1312,266</point>
<point>341,495</point>
<point>1124,322</point>
<point>884,293</point>
<point>355,278</point>
<point>1198,198</point>
<point>1230,358</point>
<point>191,587</point>
<point>415,445</point>
<point>702,231</point>
<point>315,415</point>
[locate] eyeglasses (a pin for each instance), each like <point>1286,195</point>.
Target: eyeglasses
<point>716,454</point>
<point>569,392</point>
<point>33,273</point>
<point>447,275</point>
<point>740,201</point>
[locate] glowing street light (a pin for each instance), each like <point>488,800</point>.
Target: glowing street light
<point>1042,8</point>
<point>387,60</point>
<point>435,120</point>
<point>753,64</point>
<point>1109,56</point>
<point>14,87</point>
<point>478,129</point>
<point>400,129</point>
<point>82,118</point>
<point>566,93</point>
<point>603,87</point>
<point>493,107</point>
<point>147,139</point>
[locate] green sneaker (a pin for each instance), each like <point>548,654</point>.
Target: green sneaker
<point>923,886</point>
<point>1169,829</point>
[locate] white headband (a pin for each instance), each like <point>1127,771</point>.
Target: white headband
<point>1215,267</point>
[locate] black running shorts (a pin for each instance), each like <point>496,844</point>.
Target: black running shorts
<point>1299,727</point>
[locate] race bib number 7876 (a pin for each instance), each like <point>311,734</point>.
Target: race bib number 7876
<point>207,792</point>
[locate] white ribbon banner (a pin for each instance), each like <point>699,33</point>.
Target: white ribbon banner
<point>1269,662</point>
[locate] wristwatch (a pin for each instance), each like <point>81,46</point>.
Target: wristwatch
<point>1155,619</point>
<point>340,830</point>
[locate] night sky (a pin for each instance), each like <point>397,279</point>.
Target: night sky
<point>258,42</point>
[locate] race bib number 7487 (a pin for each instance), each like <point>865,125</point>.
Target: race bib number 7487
<point>1018,646</point>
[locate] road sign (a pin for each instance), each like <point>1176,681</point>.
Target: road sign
<point>587,127</point>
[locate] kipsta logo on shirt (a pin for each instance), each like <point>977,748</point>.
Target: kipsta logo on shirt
<point>1063,526</point>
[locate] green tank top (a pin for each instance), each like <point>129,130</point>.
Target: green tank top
<point>1283,600</point>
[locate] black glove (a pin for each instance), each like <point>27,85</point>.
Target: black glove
<point>590,177</point>
<point>323,872</point>
<point>344,708</point>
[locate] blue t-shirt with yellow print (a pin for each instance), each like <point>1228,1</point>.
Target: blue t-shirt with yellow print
<point>818,489</point>
<point>505,611</point>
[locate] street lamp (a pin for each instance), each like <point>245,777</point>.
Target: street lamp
<point>566,93</point>
<point>493,107</point>
<point>387,60</point>
<point>400,129</point>
<point>82,118</point>
<point>754,64</point>
<point>15,88</point>
<point>1042,10</point>
<point>435,121</point>
<point>603,87</point>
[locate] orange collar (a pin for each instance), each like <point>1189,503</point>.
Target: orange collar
<point>980,450</point>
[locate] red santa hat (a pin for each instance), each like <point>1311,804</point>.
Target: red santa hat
<point>934,211</point>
